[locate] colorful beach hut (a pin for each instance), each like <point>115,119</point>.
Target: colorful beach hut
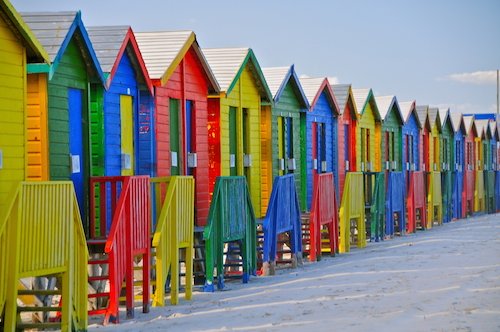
<point>446,156</point>
<point>321,133</point>
<point>481,142</point>
<point>347,124</point>
<point>75,80</point>
<point>281,141</point>
<point>489,167</point>
<point>411,138</point>
<point>20,123</point>
<point>495,146</point>
<point>369,156</point>
<point>234,118</point>
<point>391,164</point>
<point>122,133</point>
<point>182,82</point>
<point>457,164</point>
<point>469,166</point>
<point>435,213</point>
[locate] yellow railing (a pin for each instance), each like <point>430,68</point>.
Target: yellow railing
<point>174,198</point>
<point>352,207</point>
<point>43,235</point>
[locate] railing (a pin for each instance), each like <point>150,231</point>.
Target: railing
<point>416,201</point>
<point>489,186</point>
<point>174,219</point>
<point>283,215</point>
<point>43,235</point>
<point>128,237</point>
<point>230,218</point>
<point>323,212</point>
<point>395,203</point>
<point>434,199</point>
<point>374,188</point>
<point>479,192</point>
<point>352,207</point>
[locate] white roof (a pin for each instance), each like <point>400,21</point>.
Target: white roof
<point>455,118</point>
<point>311,86</point>
<point>481,125</point>
<point>360,97</point>
<point>384,103</point>
<point>159,49</point>
<point>225,63</point>
<point>406,107</point>
<point>274,77</point>
<point>468,121</point>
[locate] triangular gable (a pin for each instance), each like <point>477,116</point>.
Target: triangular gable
<point>228,64</point>
<point>408,108</point>
<point>110,43</point>
<point>457,122</point>
<point>434,117</point>
<point>470,124</point>
<point>34,50</point>
<point>277,79</point>
<point>363,97</point>
<point>494,130</point>
<point>163,51</point>
<point>444,116</point>
<point>314,87</point>
<point>483,128</point>
<point>385,104</point>
<point>423,115</point>
<point>343,95</point>
<point>48,27</point>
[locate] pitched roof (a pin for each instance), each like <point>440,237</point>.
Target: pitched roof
<point>469,123</point>
<point>456,121</point>
<point>407,108</point>
<point>227,64</point>
<point>34,50</point>
<point>422,112</point>
<point>55,30</point>
<point>385,104</point>
<point>444,116</point>
<point>162,52</point>
<point>434,117</point>
<point>494,129</point>
<point>482,127</point>
<point>342,93</point>
<point>314,86</point>
<point>361,98</point>
<point>110,43</point>
<point>278,77</point>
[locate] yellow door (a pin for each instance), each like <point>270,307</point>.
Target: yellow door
<point>127,135</point>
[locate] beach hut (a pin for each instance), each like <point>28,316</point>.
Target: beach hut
<point>20,123</point>
<point>411,138</point>
<point>321,133</point>
<point>234,118</point>
<point>425,153</point>
<point>479,190</point>
<point>469,166</point>
<point>368,156</point>
<point>495,147</point>
<point>446,156</point>
<point>347,124</point>
<point>123,130</point>
<point>280,129</point>
<point>457,164</point>
<point>75,83</point>
<point>391,163</point>
<point>489,166</point>
<point>182,81</point>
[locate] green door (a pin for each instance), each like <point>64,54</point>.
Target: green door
<point>174,137</point>
<point>233,153</point>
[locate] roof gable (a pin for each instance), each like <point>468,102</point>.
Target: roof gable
<point>444,116</point>
<point>110,44</point>
<point>34,50</point>
<point>386,104</point>
<point>457,122</point>
<point>55,30</point>
<point>314,87</point>
<point>228,64</point>
<point>408,108</point>
<point>277,79</point>
<point>470,124</point>
<point>423,115</point>
<point>163,51</point>
<point>343,95</point>
<point>362,97</point>
<point>434,119</point>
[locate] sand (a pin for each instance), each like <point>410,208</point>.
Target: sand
<point>443,279</point>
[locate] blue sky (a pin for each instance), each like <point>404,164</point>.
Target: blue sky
<point>439,52</point>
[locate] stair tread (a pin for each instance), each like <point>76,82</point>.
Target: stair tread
<point>97,240</point>
<point>25,326</point>
<point>34,309</point>
<point>39,292</point>
<point>94,295</point>
<point>96,278</point>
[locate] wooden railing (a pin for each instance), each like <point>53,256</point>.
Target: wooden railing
<point>42,234</point>
<point>231,218</point>
<point>352,208</point>
<point>174,220</point>
<point>323,212</point>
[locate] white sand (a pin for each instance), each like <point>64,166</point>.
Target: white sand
<point>443,279</point>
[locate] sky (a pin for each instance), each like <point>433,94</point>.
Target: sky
<point>442,53</point>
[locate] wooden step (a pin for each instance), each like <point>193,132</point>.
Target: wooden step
<point>98,261</point>
<point>95,295</point>
<point>36,309</point>
<point>39,292</point>
<point>96,241</point>
<point>38,326</point>
<point>98,278</point>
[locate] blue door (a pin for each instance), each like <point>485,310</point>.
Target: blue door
<point>75,106</point>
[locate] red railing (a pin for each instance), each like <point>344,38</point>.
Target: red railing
<point>323,212</point>
<point>128,199</point>
<point>416,201</point>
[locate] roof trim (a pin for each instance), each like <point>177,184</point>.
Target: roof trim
<point>22,28</point>
<point>251,57</point>
<point>177,60</point>
<point>374,109</point>
<point>78,24</point>
<point>292,75</point>
<point>415,114</point>
<point>130,40</point>
<point>331,96</point>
